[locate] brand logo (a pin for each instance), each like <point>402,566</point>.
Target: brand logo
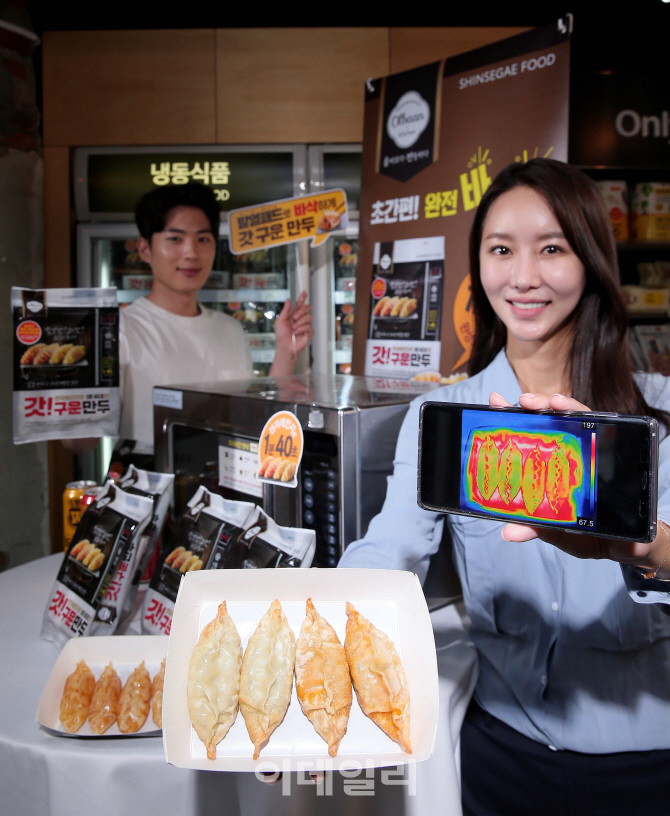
<point>408,119</point>
<point>378,288</point>
<point>629,123</point>
<point>28,332</point>
<point>385,262</point>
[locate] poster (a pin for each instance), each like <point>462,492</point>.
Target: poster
<point>434,138</point>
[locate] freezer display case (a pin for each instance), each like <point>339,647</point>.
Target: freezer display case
<point>251,288</point>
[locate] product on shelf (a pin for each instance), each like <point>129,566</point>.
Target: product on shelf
<point>615,194</point>
<point>650,211</point>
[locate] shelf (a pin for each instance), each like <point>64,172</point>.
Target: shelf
<point>243,295</point>
<point>262,355</point>
<point>342,356</point>
<point>643,246</point>
<point>220,295</point>
<point>340,298</point>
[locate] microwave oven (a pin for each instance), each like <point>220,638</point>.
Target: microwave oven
<point>350,427</point>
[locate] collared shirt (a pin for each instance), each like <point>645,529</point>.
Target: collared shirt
<point>567,657</point>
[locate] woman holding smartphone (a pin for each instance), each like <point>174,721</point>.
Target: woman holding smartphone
<point>571,712</point>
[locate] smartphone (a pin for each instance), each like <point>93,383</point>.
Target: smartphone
<point>588,472</point>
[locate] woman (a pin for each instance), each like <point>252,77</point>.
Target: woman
<point>572,706</point>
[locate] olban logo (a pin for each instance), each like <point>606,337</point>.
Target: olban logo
<point>378,288</point>
<point>28,332</point>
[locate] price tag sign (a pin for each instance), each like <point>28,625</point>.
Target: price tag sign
<point>280,450</point>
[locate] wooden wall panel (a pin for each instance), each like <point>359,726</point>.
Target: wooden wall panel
<point>58,225</point>
<point>295,84</point>
<point>411,47</point>
<point>129,87</point>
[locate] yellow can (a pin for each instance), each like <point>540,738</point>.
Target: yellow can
<point>71,511</point>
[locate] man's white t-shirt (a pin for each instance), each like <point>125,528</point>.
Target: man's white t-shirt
<point>161,348</point>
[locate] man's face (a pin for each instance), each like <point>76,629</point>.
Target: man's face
<point>181,256</point>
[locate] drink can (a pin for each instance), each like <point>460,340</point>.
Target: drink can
<point>89,497</point>
<point>71,512</point>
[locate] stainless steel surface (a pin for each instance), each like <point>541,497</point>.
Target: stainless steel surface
<point>357,428</point>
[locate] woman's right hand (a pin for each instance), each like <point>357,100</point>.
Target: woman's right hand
<point>580,545</point>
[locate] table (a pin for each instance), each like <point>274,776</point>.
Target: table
<point>44,775</point>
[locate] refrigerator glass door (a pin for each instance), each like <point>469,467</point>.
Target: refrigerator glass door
<point>251,288</point>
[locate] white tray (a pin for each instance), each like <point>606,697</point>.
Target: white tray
<point>392,600</point>
<point>126,653</point>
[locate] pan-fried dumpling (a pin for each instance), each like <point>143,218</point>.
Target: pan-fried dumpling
<point>76,700</point>
<point>322,678</point>
<point>134,701</point>
<point>157,696</point>
<point>105,703</point>
<point>378,677</point>
<point>214,680</point>
<point>267,676</point>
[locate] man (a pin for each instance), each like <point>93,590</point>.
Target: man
<point>168,337</point>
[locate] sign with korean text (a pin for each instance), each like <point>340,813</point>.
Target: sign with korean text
<point>280,450</point>
<point>109,183</point>
<point>434,139</point>
<point>284,222</point>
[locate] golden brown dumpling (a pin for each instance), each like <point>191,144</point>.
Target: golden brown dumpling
<point>378,677</point>
<point>267,676</point>
<point>157,696</point>
<point>134,701</point>
<point>44,355</point>
<point>105,702</point>
<point>214,680</point>
<point>76,700</point>
<point>74,355</point>
<point>322,678</point>
<point>59,355</point>
<point>29,355</point>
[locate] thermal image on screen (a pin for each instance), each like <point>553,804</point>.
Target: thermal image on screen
<point>521,466</point>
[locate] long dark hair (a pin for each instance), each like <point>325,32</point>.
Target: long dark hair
<point>599,359</point>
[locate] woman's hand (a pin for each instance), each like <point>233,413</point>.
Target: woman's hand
<point>293,331</point>
<point>580,545</point>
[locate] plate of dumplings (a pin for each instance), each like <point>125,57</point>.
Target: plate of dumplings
<point>106,687</point>
<point>299,669</point>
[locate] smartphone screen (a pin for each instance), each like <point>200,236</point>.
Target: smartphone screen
<point>586,472</point>
<point>536,468</point>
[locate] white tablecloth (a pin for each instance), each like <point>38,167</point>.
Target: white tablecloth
<point>44,775</point>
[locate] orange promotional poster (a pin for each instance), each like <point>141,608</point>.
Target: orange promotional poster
<point>280,450</point>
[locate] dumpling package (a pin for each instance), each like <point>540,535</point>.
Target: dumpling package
<point>122,590</point>
<point>108,529</point>
<point>215,533</point>
<point>66,363</point>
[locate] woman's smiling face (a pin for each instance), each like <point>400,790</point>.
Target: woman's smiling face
<point>530,273</point>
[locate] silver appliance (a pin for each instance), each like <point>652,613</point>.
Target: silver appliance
<point>350,426</point>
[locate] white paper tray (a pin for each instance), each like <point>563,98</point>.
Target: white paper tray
<point>126,654</point>
<point>392,600</point>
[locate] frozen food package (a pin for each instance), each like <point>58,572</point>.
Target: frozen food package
<point>650,211</point>
<point>215,533</point>
<point>615,196</point>
<point>78,604</point>
<point>405,307</point>
<point>122,590</point>
<point>66,363</point>
<point>206,528</point>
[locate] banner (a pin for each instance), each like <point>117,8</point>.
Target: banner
<point>434,138</point>
<point>284,222</point>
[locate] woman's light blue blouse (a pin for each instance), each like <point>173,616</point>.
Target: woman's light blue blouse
<point>569,655</point>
